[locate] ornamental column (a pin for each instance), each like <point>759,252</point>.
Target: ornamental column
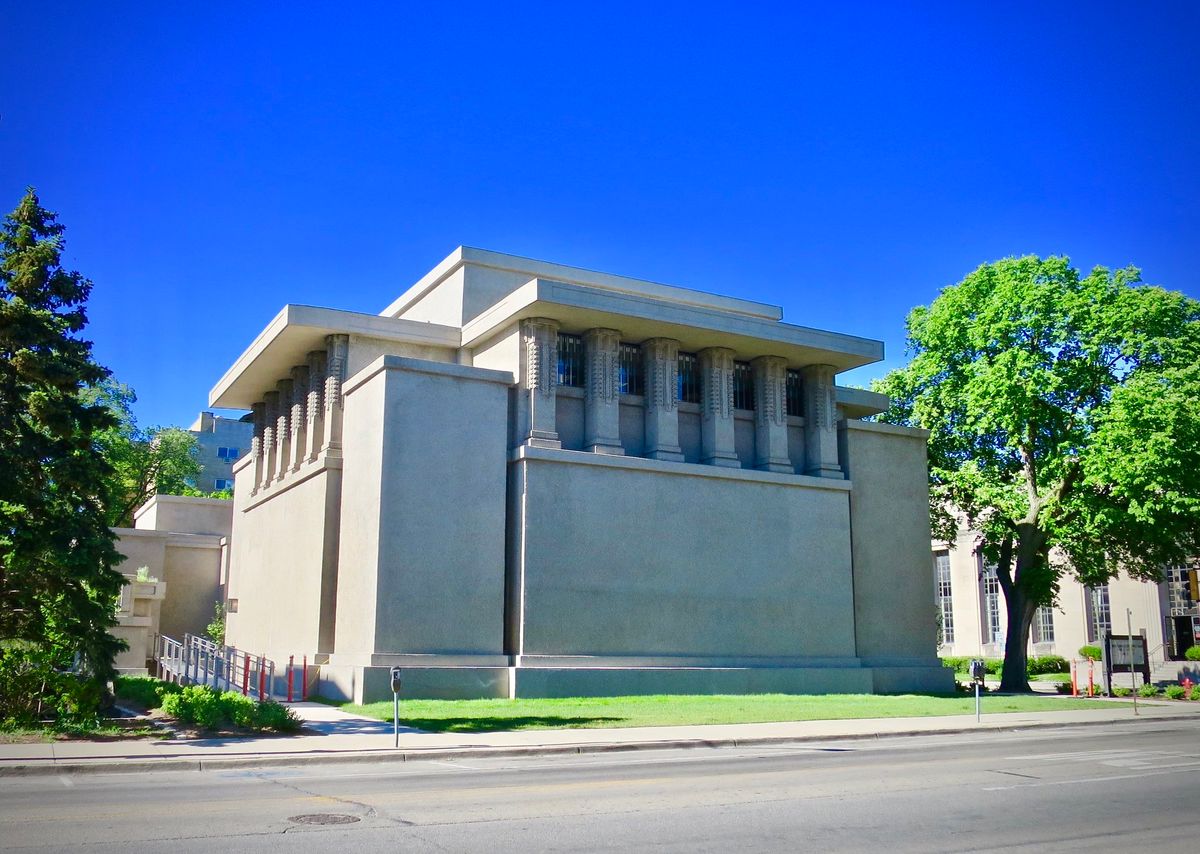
<point>536,399</point>
<point>820,421</point>
<point>313,410</point>
<point>283,435</point>
<point>770,415</point>
<point>299,423</point>
<point>270,416</point>
<point>337,350</point>
<point>660,359</point>
<point>717,446</point>
<point>602,404</point>
<point>258,411</point>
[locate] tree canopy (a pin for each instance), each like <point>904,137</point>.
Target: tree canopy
<point>144,462</point>
<point>1064,419</point>
<point>58,586</point>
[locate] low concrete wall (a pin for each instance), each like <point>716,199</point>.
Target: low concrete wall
<point>372,684</point>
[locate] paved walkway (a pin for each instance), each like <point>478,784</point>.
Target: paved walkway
<point>332,735</point>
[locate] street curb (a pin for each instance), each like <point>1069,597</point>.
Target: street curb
<point>218,763</point>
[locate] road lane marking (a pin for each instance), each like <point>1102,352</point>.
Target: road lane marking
<point>1082,780</point>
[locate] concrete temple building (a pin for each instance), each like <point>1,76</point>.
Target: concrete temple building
<point>526,479</point>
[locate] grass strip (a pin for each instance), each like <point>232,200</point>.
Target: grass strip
<point>677,710</point>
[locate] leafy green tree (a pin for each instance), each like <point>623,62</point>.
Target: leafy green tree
<point>1064,419</point>
<point>58,587</point>
<point>144,462</point>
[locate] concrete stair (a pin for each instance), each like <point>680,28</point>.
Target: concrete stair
<point>1174,672</point>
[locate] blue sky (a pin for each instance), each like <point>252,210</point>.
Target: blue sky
<point>213,162</point>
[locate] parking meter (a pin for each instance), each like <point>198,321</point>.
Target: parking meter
<point>978,670</point>
<point>396,705</point>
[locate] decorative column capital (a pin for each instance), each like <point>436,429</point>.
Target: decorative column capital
<point>660,358</point>
<point>716,368</point>
<point>770,414</point>
<point>820,421</point>
<point>537,416</point>
<point>601,349</point>
<point>718,440</point>
<point>337,351</point>
<point>660,362</point>
<point>539,335</point>
<point>602,406</point>
<point>770,391</point>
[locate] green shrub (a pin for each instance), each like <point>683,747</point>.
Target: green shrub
<point>1192,653</point>
<point>1063,687</point>
<point>1121,691</point>
<point>35,688</point>
<point>277,717</point>
<point>146,691</point>
<point>1196,692</point>
<point>209,709</point>
<point>195,704</point>
<point>1175,692</point>
<point>1048,664</point>
<point>241,710</point>
<point>1148,690</point>
<point>1092,652</point>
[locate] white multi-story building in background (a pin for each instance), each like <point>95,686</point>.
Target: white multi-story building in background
<point>970,604</point>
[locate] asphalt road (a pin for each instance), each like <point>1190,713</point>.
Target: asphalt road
<point>1119,788</point>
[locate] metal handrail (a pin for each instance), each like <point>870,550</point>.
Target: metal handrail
<point>200,661</point>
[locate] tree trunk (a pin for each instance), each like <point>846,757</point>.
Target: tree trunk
<point>1020,609</point>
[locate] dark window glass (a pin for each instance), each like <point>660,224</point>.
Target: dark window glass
<point>570,360</point>
<point>632,381</point>
<point>794,399</point>
<point>743,386</point>
<point>688,386</point>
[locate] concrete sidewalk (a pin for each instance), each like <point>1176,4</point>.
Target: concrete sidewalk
<point>332,735</point>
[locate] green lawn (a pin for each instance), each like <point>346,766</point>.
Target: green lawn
<point>591,712</point>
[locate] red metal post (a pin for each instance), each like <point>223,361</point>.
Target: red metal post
<point>246,675</point>
<point>304,679</point>
<point>1091,677</point>
<point>291,660</point>
<point>262,675</point>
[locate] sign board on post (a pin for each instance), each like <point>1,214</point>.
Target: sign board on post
<point>1125,654</point>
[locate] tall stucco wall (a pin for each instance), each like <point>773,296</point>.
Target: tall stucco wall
<point>141,548</point>
<point>283,553</point>
<point>423,555</point>
<point>359,527</point>
<point>626,557</point>
<point>192,571</point>
<point>889,513</point>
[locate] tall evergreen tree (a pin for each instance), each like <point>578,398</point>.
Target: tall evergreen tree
<point>58,584</point>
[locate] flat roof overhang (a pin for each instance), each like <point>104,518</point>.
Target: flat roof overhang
<point>638,318</point>
<point>861,403</point>
<point>592,279</point>
<point>299,329</point>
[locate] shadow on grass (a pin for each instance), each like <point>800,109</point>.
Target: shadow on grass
<point>505,723</point>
